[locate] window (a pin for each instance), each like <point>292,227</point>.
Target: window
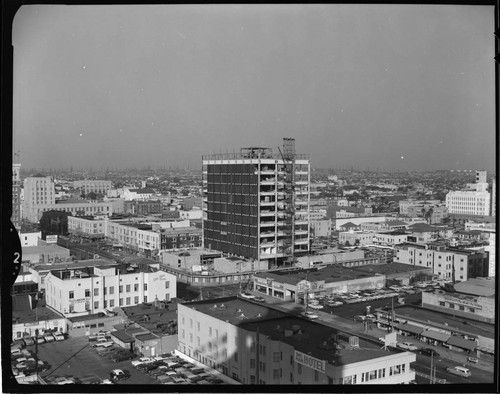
<point>87,292</point>
<point>105,290</point>
<point>127,301</point>
<point>291,377</point>
<point>120,289</point>
<point>136,287</point>
<point>111,289</point>
<point>252,379</point>
<point>145,298</point>
<point>96,292</point>
<point>145,286</point>
<point>128,289</point>
<point>441,303</point>
<point>190,337</point>
<point>198,326</point>
<point>252,363</point>
<point>381,373</point>
<point>136,300</point>
<point>111,303</point>
<point>96,304</point>
<point>167,284</point>
<point>71,295</point>
<point>276,373</point>
<point>120,303</point>
<point>236,356</point>
<point>276,357</point>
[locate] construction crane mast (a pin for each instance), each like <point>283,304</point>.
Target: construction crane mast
<point>288,156</point>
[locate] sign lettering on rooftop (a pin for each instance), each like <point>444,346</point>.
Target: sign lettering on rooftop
<point>311,362</point>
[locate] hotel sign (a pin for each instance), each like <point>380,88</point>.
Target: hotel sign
<point>311,362</point>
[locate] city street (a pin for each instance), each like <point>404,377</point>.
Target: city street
<point>342,318</point>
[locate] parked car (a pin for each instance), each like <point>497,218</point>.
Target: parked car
<point>259,299</point>
<point>247,296</point>
<point>473,360</point>
<point>29,341</point>
<point>407,346</point>
<point>104,344</point>
<point>316,306</point>
<point>48,337</point>
<point>119,374</point>
<point>59,336</point>
<point>142,360</point>
<point>460,371</point>
<point>40,339</point>
<point>429,352</point>
<point>359,318</point>
<point>311,315</point>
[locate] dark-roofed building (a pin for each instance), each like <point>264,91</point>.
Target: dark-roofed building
<point>254,344</point>
<point>432,326</point>
<point>349,226</point>
<point>86,325</point>
<point>291,285</point>
<point>474,299</point>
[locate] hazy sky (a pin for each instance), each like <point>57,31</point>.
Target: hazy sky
<point>373,86</point>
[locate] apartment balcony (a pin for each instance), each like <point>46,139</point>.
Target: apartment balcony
<point>301,232</point>
<point>267,203</point>
<point>267,213</point>
<point>267,192</point>
<point>301,241</point>
<point>267,224</point>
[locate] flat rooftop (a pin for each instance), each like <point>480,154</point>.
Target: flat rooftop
<point>458,323</point>
<point>235,310</point>
<point>75,265</point>
<point>319,341</point>
<point>50,248</point>
<point>41,313</point>
<point>306,336</point>
<point>388,269</point>
<point>329,274</point>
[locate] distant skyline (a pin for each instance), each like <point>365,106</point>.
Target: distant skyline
<point>389,87</point>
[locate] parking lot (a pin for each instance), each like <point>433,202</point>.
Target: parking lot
<point>76,358</point>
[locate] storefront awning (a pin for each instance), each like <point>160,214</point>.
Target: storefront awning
<point>410,328</point>
<point>438,336</point>
<point>461,343</point>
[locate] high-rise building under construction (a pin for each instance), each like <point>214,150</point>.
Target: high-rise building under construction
<point>256,203</point>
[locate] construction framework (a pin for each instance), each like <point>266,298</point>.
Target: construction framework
<point>288,180</point>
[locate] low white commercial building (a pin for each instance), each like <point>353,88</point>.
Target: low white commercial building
<point>89,290</point>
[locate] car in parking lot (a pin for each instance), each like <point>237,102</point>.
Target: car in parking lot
<point>407,346</point>
<point>311,315</point>
<point>473,360</point>
<point>59,336</point>
<point>142,360</point>
<point>259,299</point>
<point>119,374</point>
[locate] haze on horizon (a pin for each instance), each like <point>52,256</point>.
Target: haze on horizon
<point>389,87</point>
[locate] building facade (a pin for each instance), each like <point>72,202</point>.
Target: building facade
<point>253,344</point>
<point>89,290</point>
<point>39,194</point>
<point>95,186</point>
<point>87,226</point>
<point>447,263</point>
<point>149,207</point>
<point>256,204</point>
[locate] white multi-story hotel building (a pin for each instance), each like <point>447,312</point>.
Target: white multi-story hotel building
<point>88,290</point>
<point>254,344</point>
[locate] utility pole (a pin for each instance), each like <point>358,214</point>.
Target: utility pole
<point>36,354</point>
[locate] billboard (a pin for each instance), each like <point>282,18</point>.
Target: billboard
<point>51,239</point>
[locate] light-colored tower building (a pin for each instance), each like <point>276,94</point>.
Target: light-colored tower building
<point>493,197</point>
<point>95,186</point>
<point>470,202</point>
<point>16,196</point>
<point>481,176</point>
<point>256,203</point>
<point>39,192</point>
